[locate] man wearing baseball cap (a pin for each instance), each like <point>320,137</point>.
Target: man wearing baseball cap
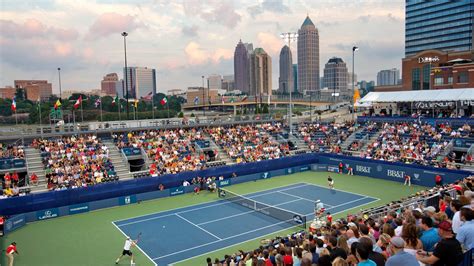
<point>10,251</point>
<point>447,252</point>
<point>400,257</point>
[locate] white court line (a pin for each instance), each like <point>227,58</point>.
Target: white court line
<point>197,204</point>
<point>243,213</point>
<point>198,226</point>
<point>255,230</point>
<point>200,208</point>
<point>258,237</point>
<point>301,198</point>
<point>156,264</point>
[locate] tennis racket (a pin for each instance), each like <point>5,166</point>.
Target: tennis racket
<point>138,237</point>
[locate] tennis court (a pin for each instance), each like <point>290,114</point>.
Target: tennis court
<point>180,234</point>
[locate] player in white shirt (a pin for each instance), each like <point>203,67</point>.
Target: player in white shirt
<point>129,243</point>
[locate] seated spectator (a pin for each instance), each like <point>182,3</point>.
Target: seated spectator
<point>34,179</point>
<point>465,233</point>
<point>446,252</point>
<point>429,235</point>
<point>399,256</point>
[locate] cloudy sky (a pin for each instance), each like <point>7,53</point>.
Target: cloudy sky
<point>184,39</point>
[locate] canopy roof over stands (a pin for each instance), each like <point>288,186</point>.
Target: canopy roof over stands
<point>450,95</point>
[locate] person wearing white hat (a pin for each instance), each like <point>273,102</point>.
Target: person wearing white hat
<point>129,243</point>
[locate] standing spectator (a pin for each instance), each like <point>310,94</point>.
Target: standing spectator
<point>447,252</point>
<point>341,167</point>
<point>10,251</point>
<point>438,180</point>
<point>349,170</point>
<point>399,256</point>
<point>456,206</point>
<point>15,178</point>
<point>465,234</point>
<point>429,235</point>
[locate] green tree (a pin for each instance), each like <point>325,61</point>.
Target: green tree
<point>20,94</point>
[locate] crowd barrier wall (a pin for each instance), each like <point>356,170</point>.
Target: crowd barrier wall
<point>431,121</point>
<point>420,175</point>
<point>54,204</point>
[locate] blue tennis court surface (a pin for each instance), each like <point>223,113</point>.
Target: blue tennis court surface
<point>179,234</point>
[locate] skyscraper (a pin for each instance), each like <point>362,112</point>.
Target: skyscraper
<point>241,67</point>
<point>442,25</point>
<point>336,76</point>
<point>308,57</point>
<point>140,82</point>
<point>285,81</point>
<point>260,73</point>
<point>388,77</point>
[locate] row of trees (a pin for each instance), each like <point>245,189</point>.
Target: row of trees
<point>29,111</point>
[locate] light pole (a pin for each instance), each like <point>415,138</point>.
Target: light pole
<point>60,90</point>
<point>290,36</point>
<point>203,97</point>
<point>125,34</point>
<point>354,48</point>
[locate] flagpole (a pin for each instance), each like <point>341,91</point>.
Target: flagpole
<point>168,105</point>
<point>153,106</point>
<point>41,127</point>
<point>16,118</point>
<point>82,113</point>
<point>119,105</point>
<point>101,120</point>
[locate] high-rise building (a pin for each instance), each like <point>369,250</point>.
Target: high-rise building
<point>141,81</point>
<point>241,67</point>
<point>365,87</point>
<point>228,83</point>
<point>260,73</point>
<point>108,85</point>
<point>388,77</point>
<point>214,82</point>
<point>308,57</point>
<point>442,25</point>
<point>336,76</point>
<point>285,81</point>
<point>35,89</point>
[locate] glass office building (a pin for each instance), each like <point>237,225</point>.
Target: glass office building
<point>438,24</point>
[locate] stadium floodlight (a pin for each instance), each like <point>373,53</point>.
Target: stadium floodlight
<point>354,48</point>
<point>290,36</point>
<point>125,34</point>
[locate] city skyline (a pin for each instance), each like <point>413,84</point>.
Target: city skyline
<point>190,39</point>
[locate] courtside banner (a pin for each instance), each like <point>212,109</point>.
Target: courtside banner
<point>13,223</point>
<point>304,168</point>
<point>47,214</point>
<point>289,171</point>
<point>176,191</point>
<point>224,183</point>
<point>79,208</point>
<point>128,200</point>
<point>265,175</point>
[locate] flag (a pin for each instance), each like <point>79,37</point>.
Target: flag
<point>356,96</point>
<point>223,100</point>
<point>57,104</point>
<point>196,100</point>
<point>244,99</point>
<point>268,102</point>
<point>97,103</point>
<point>135,104</point>
<point>164,101</point>
<point>78,102</point>
<point>115,100</point>
<point>13,105</point>
<point>148,96</point>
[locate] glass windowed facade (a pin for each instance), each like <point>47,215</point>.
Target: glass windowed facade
<point>415,78</point>
<point>442,24</point>
<point>426,77</point>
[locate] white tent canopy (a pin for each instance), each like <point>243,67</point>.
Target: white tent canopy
<point>450,95</point>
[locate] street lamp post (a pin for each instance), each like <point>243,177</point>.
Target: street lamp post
<point>125,34</point>
<point>60,90</point>
<point>203,97</point>
<point>354,48</point>
<point>290,36</point>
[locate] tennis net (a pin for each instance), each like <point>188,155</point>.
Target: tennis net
<point>272,211</point>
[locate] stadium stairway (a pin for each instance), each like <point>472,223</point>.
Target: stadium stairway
<point>367,142</point>
<point>345,145</point>
<point>222,155</point>
<point>35,165</point>
<point>302,146</point>
<point>120,163</point>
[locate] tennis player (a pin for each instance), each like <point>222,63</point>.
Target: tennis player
<point>330,182</point>
<point>129,243</point>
